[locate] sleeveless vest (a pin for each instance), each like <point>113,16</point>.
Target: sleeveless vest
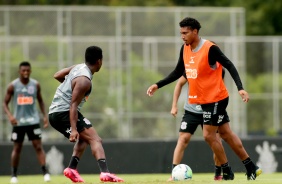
<point>205,83</point>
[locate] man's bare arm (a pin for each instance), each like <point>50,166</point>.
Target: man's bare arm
<point>177,91</point>
<point>60,75</point>
<point>7,99</point>
<point>80,86</point>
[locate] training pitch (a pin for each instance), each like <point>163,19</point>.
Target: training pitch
<point>206,178</point>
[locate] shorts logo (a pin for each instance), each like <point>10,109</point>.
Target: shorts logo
<point>207,115</point>
<point>68,130</point>
<point>183,125</point>
<point>37,131</point>
<point>14,136</point>
<point>87,122</point>
<point>220,118</point>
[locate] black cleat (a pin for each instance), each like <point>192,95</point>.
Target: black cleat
<point>228,175</point>
<point>253,174</point>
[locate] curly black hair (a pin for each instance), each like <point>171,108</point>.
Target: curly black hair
<point>93,54</point>
<point>24,63</point>
<point>190,22</point>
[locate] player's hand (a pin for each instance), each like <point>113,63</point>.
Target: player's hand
<point>151,90</point>
<point>13,121</point>
<point>173,111</point>
<point>74,135</point>
<point>244,95</point>
<point>45,122</point>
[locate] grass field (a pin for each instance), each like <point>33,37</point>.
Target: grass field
<point>206,178</point>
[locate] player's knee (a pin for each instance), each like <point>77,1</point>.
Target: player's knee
<point>38,148</point>
<point>96,139</point>
<point>208,137</point>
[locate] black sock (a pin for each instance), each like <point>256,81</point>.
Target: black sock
<point>248,164</point>
<point>102,163</point>
<point>173,165</point>
<point>14,171</point>
<point>73,162</point>
<point>217,170</point>
<point>225,167</point>
<point>44,169</point>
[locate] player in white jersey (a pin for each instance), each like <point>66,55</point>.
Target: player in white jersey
<point>65,116</point>
<point>25,119</point>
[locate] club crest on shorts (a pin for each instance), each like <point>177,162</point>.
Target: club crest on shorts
<point>183,125</point>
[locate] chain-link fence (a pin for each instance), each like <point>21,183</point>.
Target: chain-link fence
<point>140,46</point>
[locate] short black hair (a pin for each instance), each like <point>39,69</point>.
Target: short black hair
<point>190,22</point>
<point>24,63</point>
<point>93,54</point>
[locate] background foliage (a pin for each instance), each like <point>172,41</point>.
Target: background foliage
<point>262,17</point>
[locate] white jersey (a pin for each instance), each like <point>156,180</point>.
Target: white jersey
<point>62,98</point>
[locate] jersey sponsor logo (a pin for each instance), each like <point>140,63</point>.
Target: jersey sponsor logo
<point>28,119</point>
<point>191,96</point>
<point>183,125</point>
<point>24,100</point>
<point>24,90</point>
<point>191,73</point>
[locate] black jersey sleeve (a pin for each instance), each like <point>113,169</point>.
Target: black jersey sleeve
<point>216,55</point>
<point>176,73</point>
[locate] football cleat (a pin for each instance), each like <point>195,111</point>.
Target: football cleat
<point>14,179</point>
<point>254,173</point>
<point>108,177</point>
<point>228,175</point>
<point>47,177</point>
<point>73,175</point>
<point>218,178</point>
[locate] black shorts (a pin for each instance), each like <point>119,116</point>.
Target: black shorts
<point>190,122</point>
<point>33,133</point>
<point>61,122</point>
<point>215,113</point>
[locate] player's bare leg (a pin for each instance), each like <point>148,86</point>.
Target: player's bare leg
<point>209,133</point>
<point>15,159</point>
<point>37,145</point>
<point>181,145</point>
<point>71,171</point>
<point>233,141</point>
<point>92,138</point>
<point>217,175</point>
<point>236,144</point>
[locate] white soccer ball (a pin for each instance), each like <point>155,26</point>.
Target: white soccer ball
<point>181,172</point>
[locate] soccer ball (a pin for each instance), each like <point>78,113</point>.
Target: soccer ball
<point>181,172</point>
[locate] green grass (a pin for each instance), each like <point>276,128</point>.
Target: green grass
<point>206,178</point>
